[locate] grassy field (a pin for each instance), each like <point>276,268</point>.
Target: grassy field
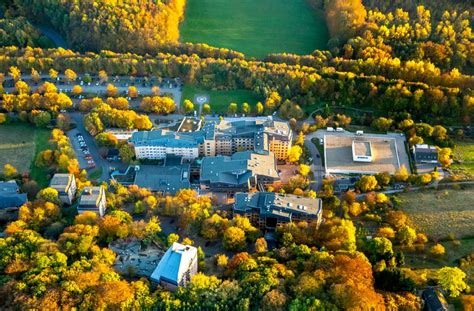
<point>424,261</point>
<point>40,174</point>
<point>255,28</point>
<point>220,100</point>
<point>464,152</point>
<point>18,144</point>
<point>439,213</point>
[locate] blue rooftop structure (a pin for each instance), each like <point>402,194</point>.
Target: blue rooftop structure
<point>10,196</point>
<point>166,139</point>
<point>176,267</point>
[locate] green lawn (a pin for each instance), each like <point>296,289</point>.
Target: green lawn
<point>464,152</point>
<point>220,100</point>
<point>95,174</point>
<point>422,259</point>
<point>255,28</point>
<point>40,174</point>
<point>19,145</point>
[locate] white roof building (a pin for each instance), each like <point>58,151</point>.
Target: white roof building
<point>176,267</point>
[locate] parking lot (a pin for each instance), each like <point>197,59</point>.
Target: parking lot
<point>92,147</point>
<point>83,154</point>
<point>96,87</point>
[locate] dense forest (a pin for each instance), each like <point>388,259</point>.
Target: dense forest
<point>19,32</point>
<point>92,25</point>
<point>435,97</point>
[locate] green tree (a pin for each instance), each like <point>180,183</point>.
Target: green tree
<point>452,280</point>
<point>126,153</point>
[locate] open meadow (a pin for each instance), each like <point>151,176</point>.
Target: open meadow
<point>19,145</point>
<point>256,28</point>
<point>220,100</point>
<point>464,153</point>
<point>441,213</point>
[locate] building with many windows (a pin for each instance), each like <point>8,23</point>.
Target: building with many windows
<point>160,143</point>
<point>268,210</point>
<point>243,171</point>
<point>255,134</point>
<point>216,138</point>
<point>425,154</point>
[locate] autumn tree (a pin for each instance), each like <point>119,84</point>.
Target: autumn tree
<point>70,75</point>
<point>9,171</point>
<point>234,239</point>
<point>77,90</point>
<point>53,74</point>
<point>261,245</point>
<point>232,109</point>
<point>294,154</point>
<point>304,170</point>
<point>112,90</point>
<point>367,183</point>
<point>188,106</point>
<point>452,280</point>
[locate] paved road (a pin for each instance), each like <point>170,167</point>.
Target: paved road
<point>53,35</point>
<point>77,117</point>
<point>316,165</point>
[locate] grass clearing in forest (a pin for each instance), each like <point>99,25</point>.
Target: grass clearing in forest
<point>464,152</point>
<point>439,213</point>
<point>19,144</point>
<point>220,100</point>
<point>256,28</point>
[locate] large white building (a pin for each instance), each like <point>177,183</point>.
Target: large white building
<point>216,138</point>
<point>158,144</point>
<point>176,267</point>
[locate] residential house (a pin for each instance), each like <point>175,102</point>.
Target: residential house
<point>65,184</point>
<point>268,210</point>
<point>10,196</point>
<point>241,172</point>
<point>92,200</point>
<point>176,267</point>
